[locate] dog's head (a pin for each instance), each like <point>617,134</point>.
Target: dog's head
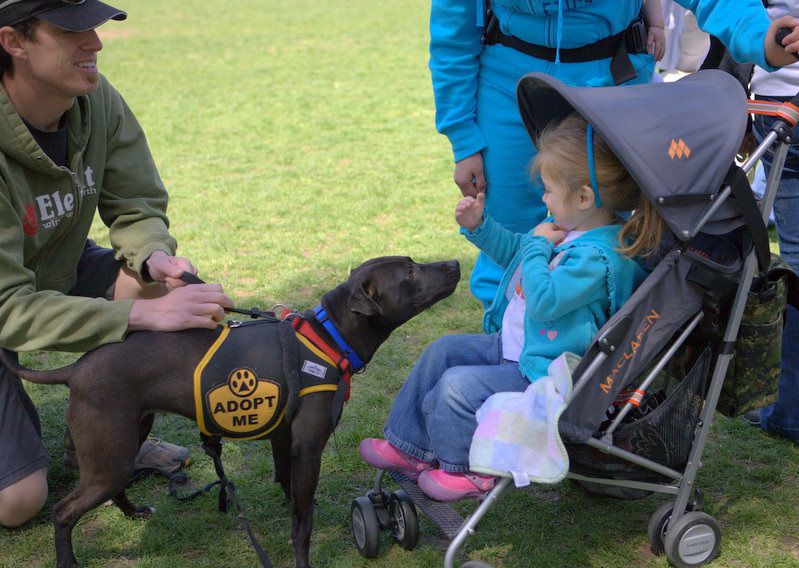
<point>383,293</point>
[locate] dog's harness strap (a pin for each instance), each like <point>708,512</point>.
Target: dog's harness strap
<point>305,329</point>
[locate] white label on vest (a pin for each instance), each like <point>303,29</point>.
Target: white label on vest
<point>314,369</point>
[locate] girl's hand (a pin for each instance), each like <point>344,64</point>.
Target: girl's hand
<point>550,231</point>
<point>656,42</point>
<point>469,211</point>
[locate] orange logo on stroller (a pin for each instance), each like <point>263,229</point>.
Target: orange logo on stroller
<point>679,148</point>
<point>635,343</point>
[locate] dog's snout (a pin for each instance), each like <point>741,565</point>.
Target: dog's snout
<point>452,268</point>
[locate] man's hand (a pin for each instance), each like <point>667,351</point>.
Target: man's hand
<point>169,269</point>
<point>469,175</point>
<point>469,211</point>
<point>550,231</point>
<point>656,42</point>
<point>777,56</point>
<point>194,306</point>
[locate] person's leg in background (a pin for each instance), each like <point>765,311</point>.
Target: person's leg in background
<point>23,457</point>
<point>782,417</point>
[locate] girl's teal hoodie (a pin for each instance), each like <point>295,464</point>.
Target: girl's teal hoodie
<point>566,305</point>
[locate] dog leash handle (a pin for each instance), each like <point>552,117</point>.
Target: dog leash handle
<point>190,278</point>
<point>253,312</point>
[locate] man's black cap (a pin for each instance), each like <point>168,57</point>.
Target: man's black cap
<point>70,15</point>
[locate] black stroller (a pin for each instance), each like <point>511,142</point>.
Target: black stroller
<point>645,393</point>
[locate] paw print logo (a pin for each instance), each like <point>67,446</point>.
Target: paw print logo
<point>242,382</point>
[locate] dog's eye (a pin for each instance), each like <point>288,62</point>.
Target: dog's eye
<point>411,272</point>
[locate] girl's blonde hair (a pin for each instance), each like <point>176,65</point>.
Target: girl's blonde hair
<point>563,155</point>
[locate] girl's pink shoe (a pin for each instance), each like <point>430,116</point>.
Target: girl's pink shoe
<point>445,486</point>
<point>382,455</point>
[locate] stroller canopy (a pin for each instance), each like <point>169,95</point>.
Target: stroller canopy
<point>677,140</point>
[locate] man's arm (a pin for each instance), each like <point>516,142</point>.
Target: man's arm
<point>133,200</point>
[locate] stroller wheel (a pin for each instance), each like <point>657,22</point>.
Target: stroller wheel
<point>694,540</point>
<point>365,527</point>
<point>404,520</point>
<point>658,525</point>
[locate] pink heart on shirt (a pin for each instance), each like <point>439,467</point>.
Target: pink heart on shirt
<point>552,334</point>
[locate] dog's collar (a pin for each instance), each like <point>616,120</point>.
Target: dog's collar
<point>321,316</point>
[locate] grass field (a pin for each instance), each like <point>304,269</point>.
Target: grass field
<point>297,140</point>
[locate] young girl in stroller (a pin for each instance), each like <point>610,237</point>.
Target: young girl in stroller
<point>561,283</point>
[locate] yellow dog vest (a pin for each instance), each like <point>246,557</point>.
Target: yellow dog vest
<point>250,379</point>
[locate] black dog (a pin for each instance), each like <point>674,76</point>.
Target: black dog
<point>116,389</point>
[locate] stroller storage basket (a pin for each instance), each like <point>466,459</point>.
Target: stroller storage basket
<point>661,430</point>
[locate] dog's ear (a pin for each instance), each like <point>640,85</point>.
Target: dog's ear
<point>363,300</point>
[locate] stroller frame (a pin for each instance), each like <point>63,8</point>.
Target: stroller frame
<point>688,536</point>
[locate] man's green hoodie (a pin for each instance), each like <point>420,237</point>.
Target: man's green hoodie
<point>46,212</point>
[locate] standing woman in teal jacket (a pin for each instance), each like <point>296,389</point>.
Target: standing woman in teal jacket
<point>477,57</point>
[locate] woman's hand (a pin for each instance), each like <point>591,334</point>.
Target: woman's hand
<point>469,175</point>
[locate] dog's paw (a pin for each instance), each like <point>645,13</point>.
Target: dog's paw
<point>144,512</point>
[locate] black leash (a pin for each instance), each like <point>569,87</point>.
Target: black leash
<point>253,312</point>
<point>227,494</point>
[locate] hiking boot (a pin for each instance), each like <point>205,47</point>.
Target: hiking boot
<point>161,456</point>
<point>382,455</point>
<point>446,486</point>
<point>154,454</point>
<point>752,417</point>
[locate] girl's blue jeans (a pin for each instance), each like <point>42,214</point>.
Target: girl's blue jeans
<point>433,416</point>
<point>782,417</point>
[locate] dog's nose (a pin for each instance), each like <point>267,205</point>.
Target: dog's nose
<point>453,267</point>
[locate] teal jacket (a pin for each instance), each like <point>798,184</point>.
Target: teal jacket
<point>456,28</point>
<point>567,305</point>
<point>47,212</point>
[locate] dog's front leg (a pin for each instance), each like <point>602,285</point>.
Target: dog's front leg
<point>310,430</point>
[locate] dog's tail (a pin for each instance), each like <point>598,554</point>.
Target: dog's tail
<point>53,377</point>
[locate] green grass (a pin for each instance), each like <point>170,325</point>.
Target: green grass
<point>297,140</point>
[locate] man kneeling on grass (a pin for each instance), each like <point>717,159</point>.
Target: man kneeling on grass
<point>70,146</point>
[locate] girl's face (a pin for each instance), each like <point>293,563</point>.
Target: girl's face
<point>565,206</point>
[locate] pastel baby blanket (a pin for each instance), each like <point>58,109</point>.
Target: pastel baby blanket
<point>517,432</point>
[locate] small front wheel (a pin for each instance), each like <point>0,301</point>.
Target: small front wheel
<point>658,525</point>
<point>404,520</point>
<point>365,527</point>
<point>693,540</point>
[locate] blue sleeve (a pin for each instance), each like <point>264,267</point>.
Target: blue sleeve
<point>578,280</point>
<point>455,46</point>
<point>495,240</point>
<point>740,25</point>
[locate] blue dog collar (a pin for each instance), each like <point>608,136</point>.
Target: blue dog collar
<point>321,316</point>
